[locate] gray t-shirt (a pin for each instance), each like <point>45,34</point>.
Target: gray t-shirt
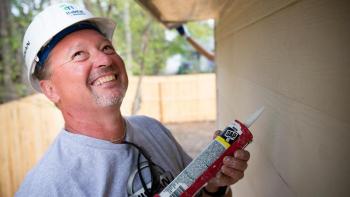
<point>78,165</point>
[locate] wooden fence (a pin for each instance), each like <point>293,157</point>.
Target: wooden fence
<point>28,125</point>
<point>179,98</point>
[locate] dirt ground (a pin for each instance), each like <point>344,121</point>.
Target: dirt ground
<point>193,136</point>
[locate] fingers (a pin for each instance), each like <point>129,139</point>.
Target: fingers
<point>232,169</point>
<point>242,155</point>
<point>230,176</point>
<point>231,173</point>
<point>226,178</point>
<point>239,161</point>
<point>236,164</point>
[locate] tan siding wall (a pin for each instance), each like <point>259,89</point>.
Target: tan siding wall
<point>292,57</point>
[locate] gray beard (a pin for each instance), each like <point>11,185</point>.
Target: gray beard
<point>104,101</point>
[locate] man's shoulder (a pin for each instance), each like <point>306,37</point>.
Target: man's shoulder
<point>145,123</point>
<point>45,177</point>
<point>142,119</point>
<point>44,180</point>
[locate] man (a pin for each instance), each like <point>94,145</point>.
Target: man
<point>70,58</point>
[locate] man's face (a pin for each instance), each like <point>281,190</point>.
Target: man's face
<point>86,71</point>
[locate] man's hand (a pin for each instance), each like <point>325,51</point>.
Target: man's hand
<point>232,170</point>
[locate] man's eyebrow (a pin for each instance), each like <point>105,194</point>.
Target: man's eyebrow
<point>106,40</point>
<point>79,45</point>
<point>73,47</point>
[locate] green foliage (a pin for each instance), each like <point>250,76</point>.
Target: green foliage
<point>151,58</point>
<point>17,16</point>
<point>150,52</point>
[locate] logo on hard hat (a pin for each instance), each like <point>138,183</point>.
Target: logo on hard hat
<point>71,10</point>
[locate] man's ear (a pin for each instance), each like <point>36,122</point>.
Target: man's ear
<point>49,90</point>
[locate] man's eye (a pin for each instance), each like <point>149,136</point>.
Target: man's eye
<point>108,49</point>
<point>79,56</point>
<point>77,53</point>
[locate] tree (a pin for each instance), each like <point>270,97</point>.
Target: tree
<point>15,17</point>
<point>8,91</point>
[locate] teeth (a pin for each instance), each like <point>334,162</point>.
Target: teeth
<point>104,79</point>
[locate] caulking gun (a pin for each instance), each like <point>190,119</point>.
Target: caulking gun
<point>205,166</point>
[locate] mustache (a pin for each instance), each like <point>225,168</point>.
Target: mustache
<point>96,73</point>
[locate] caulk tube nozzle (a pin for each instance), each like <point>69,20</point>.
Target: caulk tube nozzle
<point>253,117</point>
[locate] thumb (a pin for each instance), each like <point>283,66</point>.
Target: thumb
<point>216,133</point>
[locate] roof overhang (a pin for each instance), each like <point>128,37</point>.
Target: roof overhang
<point>172,13</point>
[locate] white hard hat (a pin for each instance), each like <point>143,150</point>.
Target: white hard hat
<point>50,22</point>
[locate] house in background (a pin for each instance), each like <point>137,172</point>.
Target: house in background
<point>292,56</point>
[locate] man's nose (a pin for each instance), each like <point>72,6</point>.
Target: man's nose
<point>101,59</point>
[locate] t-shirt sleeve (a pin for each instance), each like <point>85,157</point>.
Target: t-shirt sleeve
<point>37,185</point>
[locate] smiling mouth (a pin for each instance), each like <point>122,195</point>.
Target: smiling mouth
<point>104,79</point>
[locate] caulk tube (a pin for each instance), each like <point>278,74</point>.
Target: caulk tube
<point>210,160</point>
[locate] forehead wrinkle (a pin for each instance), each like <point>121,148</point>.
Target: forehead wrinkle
<point>79,44</point>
